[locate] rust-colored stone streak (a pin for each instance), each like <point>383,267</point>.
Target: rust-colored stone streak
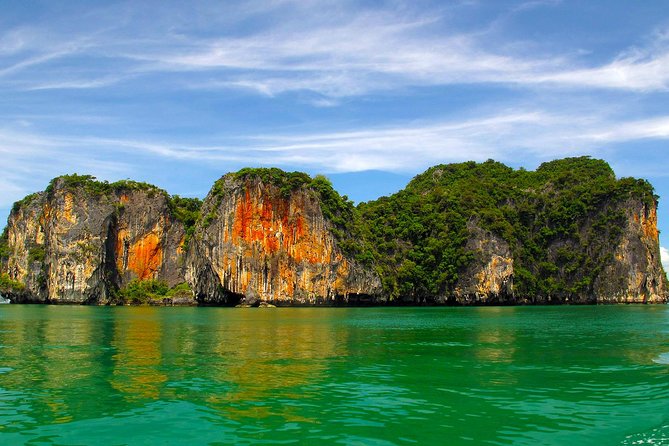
<point>648,222</point>
<point>148,243</point>
<point>142,257</point>
<point>145,257</point>
<point>121,249</point>
<point>273,239</point>
<point>276,224</point>
<point>67,212</point>
<point>267,245</point>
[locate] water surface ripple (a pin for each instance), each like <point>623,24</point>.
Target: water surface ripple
<point>340,376</point>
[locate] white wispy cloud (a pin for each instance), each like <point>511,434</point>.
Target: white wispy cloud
<point>650,128</point>
<point>664,254</point>
<point>334,60</point>
<point>640,72</point>
<point>25,48</point>
<point>346,53</point>
<point>29,161</point>
<point>505,135</point>
<point>76,84</point>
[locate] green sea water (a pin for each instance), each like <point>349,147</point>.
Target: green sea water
<point>595,375</point>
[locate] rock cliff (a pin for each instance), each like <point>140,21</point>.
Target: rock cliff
<point>488,279</point>
<point>478,234</point>
<point>265,238</point>
<point>634,273</point>
<point>81,240</point>
<point>459,234</point>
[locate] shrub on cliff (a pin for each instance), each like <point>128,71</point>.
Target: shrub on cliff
<point>139,292</point>
<point>95,187</point>
<point>8,285</point>
<point>25,201</point>
<point>187,211</point>
<point>4,246</point>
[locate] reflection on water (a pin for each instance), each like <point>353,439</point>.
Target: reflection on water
<point>65,357</point>
<point>496,343</point>
<point>261,354</point>
<point>327,376</point>
<point>54,360</point>
<point>138,354</point>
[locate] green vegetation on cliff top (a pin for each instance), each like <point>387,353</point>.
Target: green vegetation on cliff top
<point>420,233</point>
<point>285,181</point>
<point>25,201</point>
<point>93,186</point>
<point>187,211</point>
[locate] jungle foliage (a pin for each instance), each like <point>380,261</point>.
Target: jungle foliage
<point>95,187</point>
<point>187,211</point>
<point>420,233</point>
<point>4,246</point>
<point>144,291</point>
<point>8,285</point>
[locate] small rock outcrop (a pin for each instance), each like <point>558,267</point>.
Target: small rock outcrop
<point>264,238</point>
<point>634,272</point>
<point>488,279</point>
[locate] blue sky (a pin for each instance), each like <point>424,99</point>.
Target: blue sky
<point>369,93</point>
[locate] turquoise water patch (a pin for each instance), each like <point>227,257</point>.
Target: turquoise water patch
<point>340,376</point>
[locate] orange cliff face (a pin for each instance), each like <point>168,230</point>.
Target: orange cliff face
<point>647,218</point>
<point>143,257</point>
<point>277,224</point>
<point>74,246</point>
<point>148,241</point>
<point>267,246</point>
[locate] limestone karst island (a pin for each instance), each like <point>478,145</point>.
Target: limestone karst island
<point>458,234</point>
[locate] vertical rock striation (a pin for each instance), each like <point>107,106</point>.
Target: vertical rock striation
<point>81,240</point>
<point>488,279</point>
<point>148,239</point>
<point>262,240</point>
<point>634,272</point>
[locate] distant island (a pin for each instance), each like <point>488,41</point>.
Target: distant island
<point>458,234</point>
